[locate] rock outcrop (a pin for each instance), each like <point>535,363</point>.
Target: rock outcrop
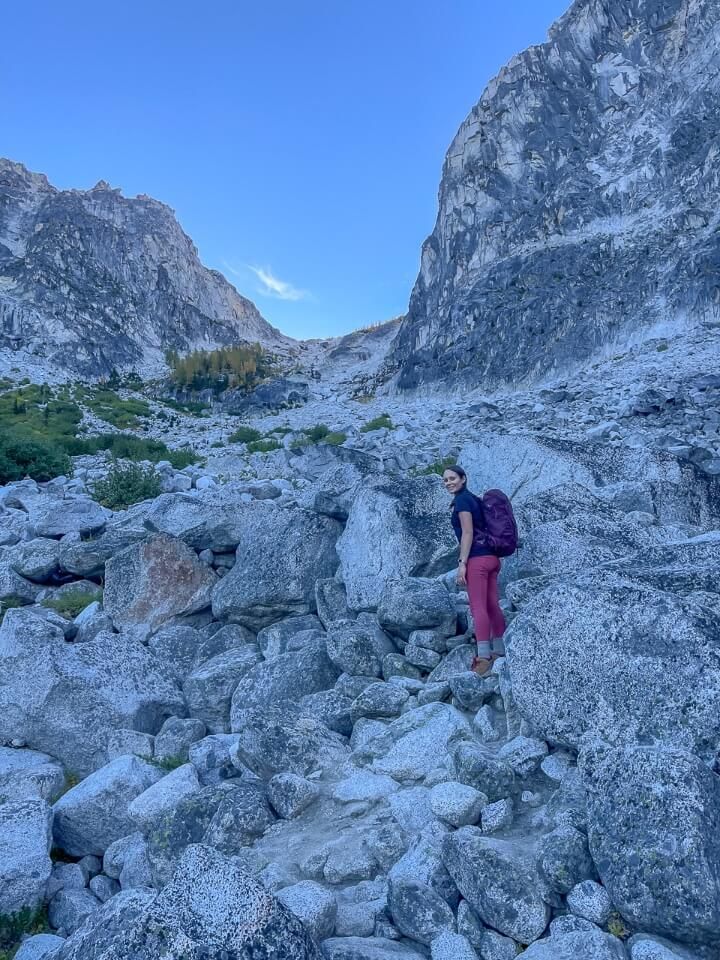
<point>91,281</point>
<point>576,206</point>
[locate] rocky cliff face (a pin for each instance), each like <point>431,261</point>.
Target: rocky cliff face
<point>578,201</point>
<point>92,280</point>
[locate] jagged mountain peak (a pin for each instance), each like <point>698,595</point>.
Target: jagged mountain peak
<point>91,280</point>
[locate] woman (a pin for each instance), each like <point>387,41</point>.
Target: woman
<point>478,569</point>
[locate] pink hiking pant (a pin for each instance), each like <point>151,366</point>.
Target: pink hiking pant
<point>482,587</point>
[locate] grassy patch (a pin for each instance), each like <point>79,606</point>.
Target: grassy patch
<point>194,408</point>
<point>126,484</point>
<point>14,926</point>
<point>263,446</point>
<point>378,423</point>
<point>438,467</point>
<point>167,763</point>
<point>72,604</point>
<point>245,435</point>
<point>320,433</point>
<point>128,447</point>
<point>109,406</point>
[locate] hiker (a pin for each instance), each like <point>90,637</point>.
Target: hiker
<point>479,562</point>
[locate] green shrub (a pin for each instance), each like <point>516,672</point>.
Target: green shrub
<point>70,605</point>
<point>216,444</point>
<point>167,763</point>
<point>317,433</point>
<point>125,446</point>
<point>110,407</point>
<point>439,467</point>
<point>126,484</point>
<point>22,456</point>
<point>378,423</point>
<point>335,439</point>
<point>244,435</point>
<point>263,446</point>
<point>14,926</point>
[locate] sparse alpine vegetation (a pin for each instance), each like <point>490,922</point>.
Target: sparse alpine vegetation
<point>125,484</point>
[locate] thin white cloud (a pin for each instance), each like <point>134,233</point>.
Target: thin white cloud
<point>272,286</point>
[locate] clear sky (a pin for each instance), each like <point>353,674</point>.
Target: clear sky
<point>300,142</point>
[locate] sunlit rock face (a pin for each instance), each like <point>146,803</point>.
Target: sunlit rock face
<point>578,200</point>
<point>91,280</point>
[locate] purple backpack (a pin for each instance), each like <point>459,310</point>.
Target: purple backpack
<point>500,534</point>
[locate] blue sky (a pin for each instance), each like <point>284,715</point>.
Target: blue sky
<point>300,142</point>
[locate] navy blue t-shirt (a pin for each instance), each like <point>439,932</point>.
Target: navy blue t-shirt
<point>466,501</point>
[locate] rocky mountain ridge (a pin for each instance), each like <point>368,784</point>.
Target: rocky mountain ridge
<point>91,281</point>
<point>577,206</point>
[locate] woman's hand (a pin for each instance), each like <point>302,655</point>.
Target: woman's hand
<point>462,573</point>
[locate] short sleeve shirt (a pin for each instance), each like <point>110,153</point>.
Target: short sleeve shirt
<point>465,501</point>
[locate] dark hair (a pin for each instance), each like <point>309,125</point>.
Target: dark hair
<point>456,468</point>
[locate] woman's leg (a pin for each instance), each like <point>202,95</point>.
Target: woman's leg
<point>495,614</point>
<point>477,584</point>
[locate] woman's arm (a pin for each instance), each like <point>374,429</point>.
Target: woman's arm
<point>466,539</point>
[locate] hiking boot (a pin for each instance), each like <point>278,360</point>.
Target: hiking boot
<point>481,665</point>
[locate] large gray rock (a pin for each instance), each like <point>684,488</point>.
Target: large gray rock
<point>276,740</point>
<point>499,882</point>
<point>39,946</point>
<point>414,745</point>
<point>127,861</point>
<point>606,657</point>
<point>28,773</point>
<point>422,862</point>
<point>418,911</point>
<point>209,688</point>
<point>214,520</point>
<point>73,515</point>
<point>66,699</point>
<point>69,909</point>
<point>654,819</point>
<point>478,767</point>
<point>286,679</point>
<point>276,638</point>
<point>210,908</point>
<point>155,580</point>
<point>14,588</point>
<point>416,603</point>
<point>368,948</point>
<point>313,905</point>
<point>35,559</point>
<point>242,816</point>
<point>87,558</point>
<point>177,647</point>
<point>90,816</point>
<point>25,865</point>
<point>563,858</point>
<point>358,647</point>
<point>593,944</point>
<point>395,529</point>
<point>298,543</point>
<point>164,794</point>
